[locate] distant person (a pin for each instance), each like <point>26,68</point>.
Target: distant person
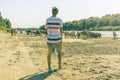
<point>114,35</point>
<point>54,36</point>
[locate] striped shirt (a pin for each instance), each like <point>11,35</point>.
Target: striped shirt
<point>53,25</point>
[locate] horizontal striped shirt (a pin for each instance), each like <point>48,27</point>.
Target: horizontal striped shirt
<point>53,25</point>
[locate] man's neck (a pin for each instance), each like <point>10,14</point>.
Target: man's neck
<point>53,15</point>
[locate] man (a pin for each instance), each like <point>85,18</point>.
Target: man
<point>54,40</point>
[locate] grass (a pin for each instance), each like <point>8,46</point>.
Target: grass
<point>96,46</point>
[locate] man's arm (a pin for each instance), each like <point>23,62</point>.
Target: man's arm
<point>61,29</point>
<point>61,32</point>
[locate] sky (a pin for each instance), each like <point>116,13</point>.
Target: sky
<point>33,13</point>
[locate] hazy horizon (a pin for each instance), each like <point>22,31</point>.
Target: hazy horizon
<point>33,13</point>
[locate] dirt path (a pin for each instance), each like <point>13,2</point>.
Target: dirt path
<point>15,58</point>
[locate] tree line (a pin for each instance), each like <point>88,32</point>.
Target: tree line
<point>4,23</point>
<point>108,22</point>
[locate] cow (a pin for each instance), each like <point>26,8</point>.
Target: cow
<point>13,32</point>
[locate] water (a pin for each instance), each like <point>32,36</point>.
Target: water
<point>108,33</point>
<point>104,33</point>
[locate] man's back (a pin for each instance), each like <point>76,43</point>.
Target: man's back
<point>53,26</point>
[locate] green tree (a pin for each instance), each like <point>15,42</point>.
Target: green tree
<point>7,23</point>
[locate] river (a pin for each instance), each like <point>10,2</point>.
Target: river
<point>108,33</point>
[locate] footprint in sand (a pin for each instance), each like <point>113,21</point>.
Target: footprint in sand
<point>105,66</point>
<point>1,56</point>
<point>10,60</point>
<point>97,60</point>
<point>17,55</point>
<point>9,64</point>
<point>117,61</point>
<point>108,77</point>
<point>30,53</point>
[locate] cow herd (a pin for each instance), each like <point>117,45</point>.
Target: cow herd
<point>67,34</point>
<point>27,32</point>
<point>81,34</point>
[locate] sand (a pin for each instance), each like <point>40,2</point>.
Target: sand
<point>25,58</point>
